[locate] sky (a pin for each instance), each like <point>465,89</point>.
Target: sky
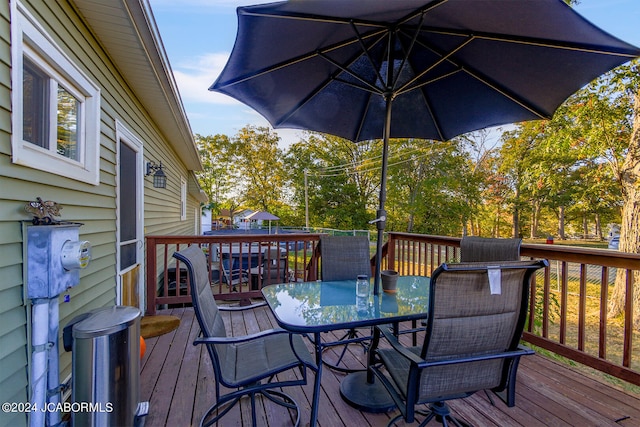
<point>198,36</point>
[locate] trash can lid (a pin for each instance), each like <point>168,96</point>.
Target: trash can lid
<point>106,321</point>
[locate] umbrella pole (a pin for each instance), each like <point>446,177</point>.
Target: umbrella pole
<point>381,213</point>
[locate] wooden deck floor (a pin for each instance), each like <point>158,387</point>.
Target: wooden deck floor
<point>176,380</point>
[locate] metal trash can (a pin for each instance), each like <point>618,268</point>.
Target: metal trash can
<point>106,367</point>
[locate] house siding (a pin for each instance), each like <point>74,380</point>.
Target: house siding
<point>13,321</point>
<point>93,206</point>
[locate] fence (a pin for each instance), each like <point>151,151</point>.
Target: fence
<point>236,263</point>
<point>569,299</point>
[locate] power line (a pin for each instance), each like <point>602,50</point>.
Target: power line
<point>351,169</point>
<point>352,166</point>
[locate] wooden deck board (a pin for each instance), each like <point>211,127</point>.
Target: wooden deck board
<point>176,379</point>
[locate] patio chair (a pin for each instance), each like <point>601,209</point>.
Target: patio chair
<point>344,258</point>
<point>477,313</point>
<point>484,249</point>
<point>246,365</point>
<point>274,268</point>
<point>232,273</point>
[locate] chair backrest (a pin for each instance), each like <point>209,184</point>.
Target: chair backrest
<point>344,257</point>
<point>204,305</point>
<point>468,318</point>
<point>230,268</point>
<point>482,249</point>
<point>274,266</point>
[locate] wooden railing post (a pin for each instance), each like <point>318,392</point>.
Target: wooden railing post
<point>391,252</point>
<point>150,282</point>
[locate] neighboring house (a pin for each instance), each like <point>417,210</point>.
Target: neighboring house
<point>240,219</point>
<point>101,66</point>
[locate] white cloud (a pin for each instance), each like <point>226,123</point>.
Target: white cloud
<point>194,79</point>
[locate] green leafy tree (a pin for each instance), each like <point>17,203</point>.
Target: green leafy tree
<point>553,161</point>
<point>516,156</point>
<point>216,179</point>
<point>341,179</point>
<point>622,88</point>
<point>257,162</point>
<point>431,187</point>
<point>482,151</point>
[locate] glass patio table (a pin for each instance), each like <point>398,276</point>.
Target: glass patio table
<point>321,306</point>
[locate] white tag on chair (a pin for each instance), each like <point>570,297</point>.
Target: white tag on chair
<point>495,275</point>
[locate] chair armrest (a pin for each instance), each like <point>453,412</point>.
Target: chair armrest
<point>520,351</point>
<point>236,340</point>
<point>304,358</point>
<point>242,307</point>
<point>393,341</point>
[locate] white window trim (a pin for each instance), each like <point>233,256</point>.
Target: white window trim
<point>30,39</point>
<point>183,198</point>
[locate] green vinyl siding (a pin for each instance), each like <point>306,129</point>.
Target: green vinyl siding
<point>13,319</point>
<point>93,206</point>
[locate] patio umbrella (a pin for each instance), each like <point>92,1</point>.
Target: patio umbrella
<point>371,69</point>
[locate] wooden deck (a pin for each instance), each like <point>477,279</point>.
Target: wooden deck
<point>176,380</point>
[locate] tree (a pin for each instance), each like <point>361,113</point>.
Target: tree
<point>431,186</point>
<point>216,178</point>
<point>482,152</point>
<point>627,81</point>
<point>257,162</point>
<point>516,157</point>
<point>342,179</point>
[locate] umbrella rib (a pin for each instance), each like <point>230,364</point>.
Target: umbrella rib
<point>369,88</point>
<point>433,80</point>
<point>508,94</point>
<point>314,18</point>
<point>372,88</point>
<point>363,118</point>
<point>246,11</point>
<point>482,78</point>
<point>434,4</point>
<point>366,52</point>
<point>428,104</point>
<point>409,86</point>
<point>631,52</point>
<point>289,62</point>
<point>302,103</point>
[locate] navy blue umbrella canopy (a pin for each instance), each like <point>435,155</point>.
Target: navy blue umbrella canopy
<point>373,69</point>
<point>458,65</point>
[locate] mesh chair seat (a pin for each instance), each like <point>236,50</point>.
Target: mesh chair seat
<point>247,361</point>
<point>451,382</point>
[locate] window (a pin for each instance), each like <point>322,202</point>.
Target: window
<point>56,108</point>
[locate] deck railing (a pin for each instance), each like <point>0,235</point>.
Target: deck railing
<point>569,299</point>
<point>236,264</point>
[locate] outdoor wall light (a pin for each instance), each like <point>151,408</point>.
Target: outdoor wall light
<point>159,178</point>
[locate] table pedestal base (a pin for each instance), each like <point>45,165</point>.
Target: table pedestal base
<point>357,392</point>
